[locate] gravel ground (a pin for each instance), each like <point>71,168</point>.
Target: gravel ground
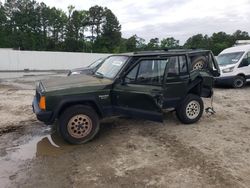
<point>215,152</point>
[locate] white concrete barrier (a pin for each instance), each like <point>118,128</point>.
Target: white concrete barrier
<point>15,60</point>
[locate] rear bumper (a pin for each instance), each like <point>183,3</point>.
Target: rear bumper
<point>44,116</point>
<point>227,80</point>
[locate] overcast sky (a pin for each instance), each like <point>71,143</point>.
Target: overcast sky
<point>178,18</point>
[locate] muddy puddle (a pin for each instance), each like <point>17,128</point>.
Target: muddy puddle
<point>46,143</point>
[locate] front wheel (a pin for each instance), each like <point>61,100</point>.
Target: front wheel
<point>190,109</point>
<point>78,124</point>
<point>238,82</point>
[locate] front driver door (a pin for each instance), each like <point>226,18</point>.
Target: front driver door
<point>244,66</point>
<point>140,93</point>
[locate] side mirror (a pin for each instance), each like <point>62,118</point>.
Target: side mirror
<point>120,80</point>
<point>124,81</point>
<point>216,73</point>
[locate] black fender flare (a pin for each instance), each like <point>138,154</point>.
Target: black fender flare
<point>194,84</point>
<point>66,102</point>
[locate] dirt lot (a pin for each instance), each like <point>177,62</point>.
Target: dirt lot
<point>215,152</point>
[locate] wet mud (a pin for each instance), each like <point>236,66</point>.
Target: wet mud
<point>214,152</point>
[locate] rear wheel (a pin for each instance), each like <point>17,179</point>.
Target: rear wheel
<point>190,109</point>
<point>78,124</point>
<point>238,82</point>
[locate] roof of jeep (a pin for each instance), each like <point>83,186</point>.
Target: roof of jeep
<point>166,52</point>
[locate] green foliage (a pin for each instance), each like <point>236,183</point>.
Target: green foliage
<point>197,41</point>
<point>29,25</point>
<point>96,18</point>
<point>3,20</point>
<point>131,43</point>
<point>135,43</point>
<point>111,33</point>
<point>217,42</point>
<point>220,41</point>
<point>169,43</point>
<point>153,44</point>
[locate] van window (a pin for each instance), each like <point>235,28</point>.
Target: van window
<point>248,58</point>
<point>245,61</point>
<point>229,58</point>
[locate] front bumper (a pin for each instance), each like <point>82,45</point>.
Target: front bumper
<point>44,116</point>
<point>225,80</point>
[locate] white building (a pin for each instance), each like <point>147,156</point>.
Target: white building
<point>15,60</point>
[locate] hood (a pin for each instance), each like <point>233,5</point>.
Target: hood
<point>62,83</point>
<point>80,69</point>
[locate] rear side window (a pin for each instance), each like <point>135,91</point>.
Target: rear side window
<point>183,64</point>
<point>173,66</point>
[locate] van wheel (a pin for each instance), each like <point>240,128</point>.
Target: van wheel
<point>190,109</point>
<point>198,63</point>
<point>78,124</point>
<point>239,82</point>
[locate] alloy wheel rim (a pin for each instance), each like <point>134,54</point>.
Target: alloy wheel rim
<point>198,65</point>
<point>193,109</point>
<point>79,126</point>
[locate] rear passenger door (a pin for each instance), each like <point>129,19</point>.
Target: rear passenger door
<point>176,80</point>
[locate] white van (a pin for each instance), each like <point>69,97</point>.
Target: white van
<point>234,66</point>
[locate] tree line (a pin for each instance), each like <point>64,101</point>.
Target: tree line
<point>30,25</point>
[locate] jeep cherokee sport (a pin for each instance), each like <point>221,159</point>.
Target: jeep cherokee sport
<point>140,85</point>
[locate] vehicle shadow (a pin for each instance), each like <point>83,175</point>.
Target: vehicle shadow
<point>221,86</point>
<point>123,125</point>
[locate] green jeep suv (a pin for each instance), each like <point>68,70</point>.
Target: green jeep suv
<point>140,85</point>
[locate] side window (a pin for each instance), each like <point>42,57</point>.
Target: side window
<point>248,58</point>
<point>131,76</point>
<point>151,72</point>
<point>173,67</point>
<point>245,61</point>
<point>183,64</point>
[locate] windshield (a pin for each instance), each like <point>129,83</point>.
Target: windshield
<point>229,58</point>
<point>111,66</point>
<point>96,63</point>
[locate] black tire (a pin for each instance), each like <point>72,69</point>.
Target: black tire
<point>199,63</point>
<point>78,124</point>
<point>192,104</point>
<point>239,82</point>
